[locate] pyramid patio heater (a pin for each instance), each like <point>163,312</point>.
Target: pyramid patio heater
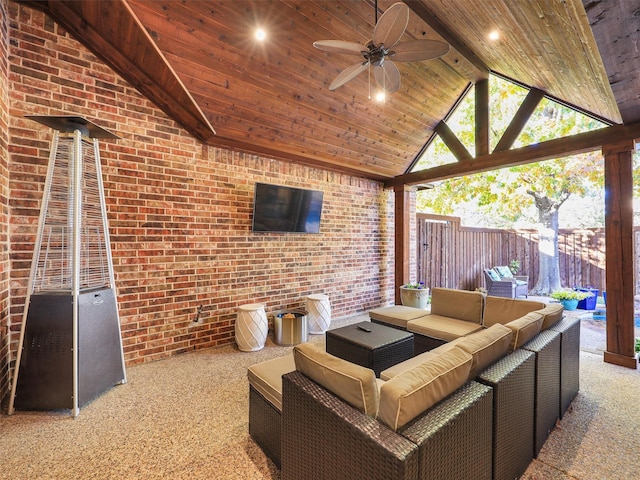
<point>70,348</point>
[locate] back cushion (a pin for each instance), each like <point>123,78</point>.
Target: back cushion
<point>413,391</point>
<point>524,329</point>
<point>354,384</point>
<point>460,304</point>
<point>551,314</point>
<point>504,272</point>
<point>493,275</point>
<point>503,310</point>
<point>486,347</point>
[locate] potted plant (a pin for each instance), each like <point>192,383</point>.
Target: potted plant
<point>415,295</point>
<point>570,298</point>
<point>514,266</point>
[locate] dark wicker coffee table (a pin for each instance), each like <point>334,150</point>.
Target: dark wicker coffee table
<point>378,348</point>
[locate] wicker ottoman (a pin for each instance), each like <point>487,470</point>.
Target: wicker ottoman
<point>371,345</point>
<point>265,403</point>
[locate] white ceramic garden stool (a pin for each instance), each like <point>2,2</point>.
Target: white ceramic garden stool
<point>251,327</point>
<point>319,313</point>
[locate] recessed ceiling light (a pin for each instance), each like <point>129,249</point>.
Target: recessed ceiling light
<point>260,34</point>
<point>494,35</point>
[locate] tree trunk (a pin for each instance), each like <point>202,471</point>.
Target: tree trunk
<point>549,263</point>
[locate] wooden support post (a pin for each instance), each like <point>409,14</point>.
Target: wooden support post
<point>402,237</point>
<point>618,183</point>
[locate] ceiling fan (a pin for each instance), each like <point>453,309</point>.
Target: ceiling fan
<point>383,48</point>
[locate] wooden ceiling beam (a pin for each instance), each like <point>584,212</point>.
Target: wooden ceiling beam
<point>428,17</point>
<point>482,117</point>
<point>131,52</point>
<point>557,148</point>
<point>452,142</point>
<point>519,120</point>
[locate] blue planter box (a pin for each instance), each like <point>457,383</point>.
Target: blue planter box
<point>588,303</point>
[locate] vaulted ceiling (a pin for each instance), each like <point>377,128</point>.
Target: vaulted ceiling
<point>199,62</point>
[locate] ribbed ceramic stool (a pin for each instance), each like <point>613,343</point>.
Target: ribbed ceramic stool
<point>319,313</point>
<point>251,327</point>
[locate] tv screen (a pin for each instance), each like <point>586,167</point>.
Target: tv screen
<point>286,209</point>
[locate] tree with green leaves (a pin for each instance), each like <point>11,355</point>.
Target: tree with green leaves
<point>532,193</point>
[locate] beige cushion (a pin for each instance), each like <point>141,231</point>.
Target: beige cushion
<point>486,347</point>
<point>354,384</point>
<point>443,328</point>
<point>266,378</point>
<point>459,304</point>
<point>503,310</point>
<point>414,391</point>
<point>551,314</point>
<point>397,315</point>
<point>524,329</point>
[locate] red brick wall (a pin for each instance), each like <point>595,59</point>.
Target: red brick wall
<point>180,212</point>
<point>4,202</point>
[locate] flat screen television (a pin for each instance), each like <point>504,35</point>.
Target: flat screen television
<point>286,209</point>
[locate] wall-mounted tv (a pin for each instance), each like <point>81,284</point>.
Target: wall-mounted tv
<point>285,209</point>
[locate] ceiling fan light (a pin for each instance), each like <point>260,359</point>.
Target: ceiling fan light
<point>380,96</point>
<point>260,34</point>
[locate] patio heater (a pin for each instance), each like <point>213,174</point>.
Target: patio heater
<point>70,348</point>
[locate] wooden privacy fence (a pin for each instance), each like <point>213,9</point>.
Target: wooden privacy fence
<point>453,256</point>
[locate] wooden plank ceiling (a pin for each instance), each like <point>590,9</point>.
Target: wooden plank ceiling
<point>198,61</point>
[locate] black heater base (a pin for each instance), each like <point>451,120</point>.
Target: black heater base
<point>45,376</point>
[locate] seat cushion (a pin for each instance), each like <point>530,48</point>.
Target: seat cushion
<point>524,329</point>
<point>443,328</point>
<point>503,310</point>
<point>551,314</point>
<point>398,368</point>
<point>458,304</point>
<point>414,391</point>
<point>353,383</point>
<point>266,378</point>
<point>397,315</point>
<point>486,347</point>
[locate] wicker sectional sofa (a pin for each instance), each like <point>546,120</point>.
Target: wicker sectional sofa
<point>486,420</point>
<point>457,313</point>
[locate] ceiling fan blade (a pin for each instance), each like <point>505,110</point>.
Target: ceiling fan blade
<point>388,76</point>
<point>347,74</point>
<point>339,46</point>
<point>418,50</point>
<point>391,25</point>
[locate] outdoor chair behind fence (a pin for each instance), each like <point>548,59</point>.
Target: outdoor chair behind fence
<point>501,282</point>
